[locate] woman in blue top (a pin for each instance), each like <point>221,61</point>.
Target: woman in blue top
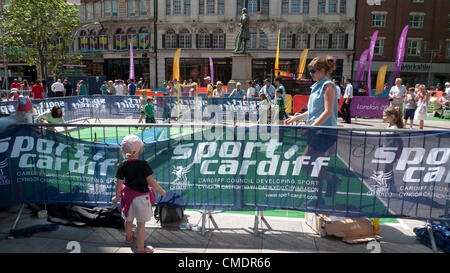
<point>237,93</point>
<point>82,91</point>
<point>322,111</point>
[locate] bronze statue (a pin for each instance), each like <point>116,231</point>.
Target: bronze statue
<point>244,34</point>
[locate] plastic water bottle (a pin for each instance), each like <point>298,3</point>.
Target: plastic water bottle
<point>376,226</point>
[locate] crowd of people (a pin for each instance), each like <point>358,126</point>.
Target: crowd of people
<point>413,102</point>
<point>63,88</point>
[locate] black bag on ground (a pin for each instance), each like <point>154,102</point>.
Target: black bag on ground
<point>170,209</point>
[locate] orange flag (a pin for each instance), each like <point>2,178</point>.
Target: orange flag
<point>380,79</point>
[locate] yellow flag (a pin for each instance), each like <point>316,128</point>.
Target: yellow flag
<point>277,58</point>
<point>176,65</point>
<point>302,63</point>
<point>380,79</point>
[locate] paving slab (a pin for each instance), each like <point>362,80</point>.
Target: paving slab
<point>33,245</point>
<point>288,241</point>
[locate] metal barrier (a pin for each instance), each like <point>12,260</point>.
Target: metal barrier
<point>350,172</point>
<point>187,109</point>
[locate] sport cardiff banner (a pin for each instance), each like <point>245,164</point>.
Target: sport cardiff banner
<point>322,170</point>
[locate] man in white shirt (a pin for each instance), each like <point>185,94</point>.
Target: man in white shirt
<point>119,88</point>
<point>251,91</point>
<point>348,96</point>
<point>268,90</point>
<point>58,88</point>
<point>447,90</point>
<point>397,94</point>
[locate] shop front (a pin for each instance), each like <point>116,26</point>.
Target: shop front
<point>196,69</point>
<point>120,68</point>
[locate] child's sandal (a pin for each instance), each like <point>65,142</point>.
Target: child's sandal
<point>148,249</point>
<point>129,240</point>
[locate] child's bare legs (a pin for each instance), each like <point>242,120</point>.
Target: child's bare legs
<point>421,124</point>
<point>129,229</point>
<point>140,118</point>
<point>140,236</point>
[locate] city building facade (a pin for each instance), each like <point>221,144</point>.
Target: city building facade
<point>427,48</point>
<point>204,28</point>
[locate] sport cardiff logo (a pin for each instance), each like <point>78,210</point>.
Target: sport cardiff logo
<point>381,187</point>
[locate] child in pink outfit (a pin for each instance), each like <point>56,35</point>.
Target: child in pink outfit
<point>133,178</point>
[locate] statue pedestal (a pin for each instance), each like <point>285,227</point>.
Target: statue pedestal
<point>241,71</point>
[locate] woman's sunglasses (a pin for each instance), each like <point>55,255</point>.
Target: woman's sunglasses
<point>312,71</point>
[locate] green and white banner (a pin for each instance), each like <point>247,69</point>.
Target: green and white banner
<point>331,171</point>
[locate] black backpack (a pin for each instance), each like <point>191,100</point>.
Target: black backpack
<point>169,209</point>
<point>165,214</point>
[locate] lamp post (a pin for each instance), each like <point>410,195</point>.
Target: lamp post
<point>5,65</point>
<point>431,51</point>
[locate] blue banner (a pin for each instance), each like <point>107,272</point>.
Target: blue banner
<point>330,171</point>
<point>127,107</point>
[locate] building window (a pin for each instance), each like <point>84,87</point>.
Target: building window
<point>378,20</point>
<point>185,39</point>
<point>295,6</point>
<point>218,39</point>
<point>115,8</point>
<point>89,11</point>
<point>258,39</point>
<point>120,40</point>
<point>143,7</point>
<point>107,9</point>
<point>379,47</point>
<point>416,21</point>
<point>221,7</point>
<point>176,7</point>
<point>284,6</point>
<point>171,39</point>
<point>103,40</point>
<point>97,9</point>
<point>414,47</point>
<point>132,38</point>
<point>332,6</point>
<point>84,42</point>
<point>338,40</point>
<point>253,6</point>
<point>322,39</point>
<point>302,40</point>
<point>211,7</point>
<point>187,7</point>
<point>144,39</point>
<point>322,6</point>
<point>110,8</point>
<point>203,39</point>
<point>286,38</point>
<point>168,7</point>
<point>343,6</point>
<point>305,7</point>
<point>201,6</point>
<point>131,8</point>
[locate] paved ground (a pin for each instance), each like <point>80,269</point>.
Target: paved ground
<point>226,233</point>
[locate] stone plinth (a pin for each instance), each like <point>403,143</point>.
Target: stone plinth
<point>241,70</point>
